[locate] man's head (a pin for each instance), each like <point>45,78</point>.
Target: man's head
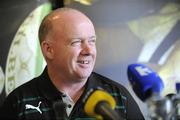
<point>67,39</point>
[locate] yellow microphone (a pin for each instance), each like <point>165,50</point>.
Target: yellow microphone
<point>100,104</point>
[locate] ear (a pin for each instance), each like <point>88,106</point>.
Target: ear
<point>47,49</point>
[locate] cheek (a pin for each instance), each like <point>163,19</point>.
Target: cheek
<point>72,54</point>
<point>95,51</point>
<point>75,51</point>
<point>60,54</point>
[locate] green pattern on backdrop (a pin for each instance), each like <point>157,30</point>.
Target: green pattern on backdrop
<point>25,59</point>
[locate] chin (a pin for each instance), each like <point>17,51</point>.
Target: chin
<point>84,75</point>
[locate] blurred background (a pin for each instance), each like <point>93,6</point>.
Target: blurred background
<point>128,31</point>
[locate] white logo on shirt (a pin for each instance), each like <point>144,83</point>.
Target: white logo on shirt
<point>28,106</point>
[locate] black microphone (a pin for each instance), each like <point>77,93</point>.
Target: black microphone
<point>176,102</point>
<point>100,104</point>
<point>60,110</point>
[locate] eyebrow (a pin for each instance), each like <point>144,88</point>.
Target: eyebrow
<point>92,37</point>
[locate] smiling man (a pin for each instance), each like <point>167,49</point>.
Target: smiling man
<point>68,43</point>
<point>69,49</point>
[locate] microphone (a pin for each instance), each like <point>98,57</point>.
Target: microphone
<point>178,87</point>
<point>100,104</point>
<point>60,110</point>
<point>176,102</point>
<point>148,86</point>
<point>144,81</point>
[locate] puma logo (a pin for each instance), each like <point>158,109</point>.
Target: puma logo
<point>28,106</point>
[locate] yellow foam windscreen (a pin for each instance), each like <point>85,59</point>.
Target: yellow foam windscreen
<point>96,97</point>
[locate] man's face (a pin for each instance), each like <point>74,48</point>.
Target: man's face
<point>74,49</point>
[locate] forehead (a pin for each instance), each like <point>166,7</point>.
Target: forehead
<point>68,16</point>
<point>73,24</point>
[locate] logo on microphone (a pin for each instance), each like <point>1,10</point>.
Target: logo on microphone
<point>143,71</point>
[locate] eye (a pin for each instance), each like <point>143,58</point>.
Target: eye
<point>76,42</point>
<point>92,41</point>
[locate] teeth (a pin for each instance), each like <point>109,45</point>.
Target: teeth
<point>84,62</point>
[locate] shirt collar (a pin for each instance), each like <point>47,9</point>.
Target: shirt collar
<point>50,91</point>
<point>47,88</point>
<point>93,81</point>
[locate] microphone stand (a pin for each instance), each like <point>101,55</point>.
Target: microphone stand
<point>160,108</point>
<point>176,101</point>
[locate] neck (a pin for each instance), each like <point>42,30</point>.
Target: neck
<point>74,88</point>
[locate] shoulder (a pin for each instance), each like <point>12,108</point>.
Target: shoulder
<point>18,98</point>
<point>104,79</point>
<point>108,83</point>
<point>22,93</point>
<point>125,101</point>
<point>24,89</point>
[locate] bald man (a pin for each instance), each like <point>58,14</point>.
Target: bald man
<point>68,43</point>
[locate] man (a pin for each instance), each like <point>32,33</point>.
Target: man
<point>68,42</point>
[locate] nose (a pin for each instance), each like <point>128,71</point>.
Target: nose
<point>87,48</point>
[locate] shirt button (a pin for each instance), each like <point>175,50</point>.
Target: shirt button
<point>63,95</point>
<point>69,105</point>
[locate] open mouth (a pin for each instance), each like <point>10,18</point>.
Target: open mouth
<point>84,61</point>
